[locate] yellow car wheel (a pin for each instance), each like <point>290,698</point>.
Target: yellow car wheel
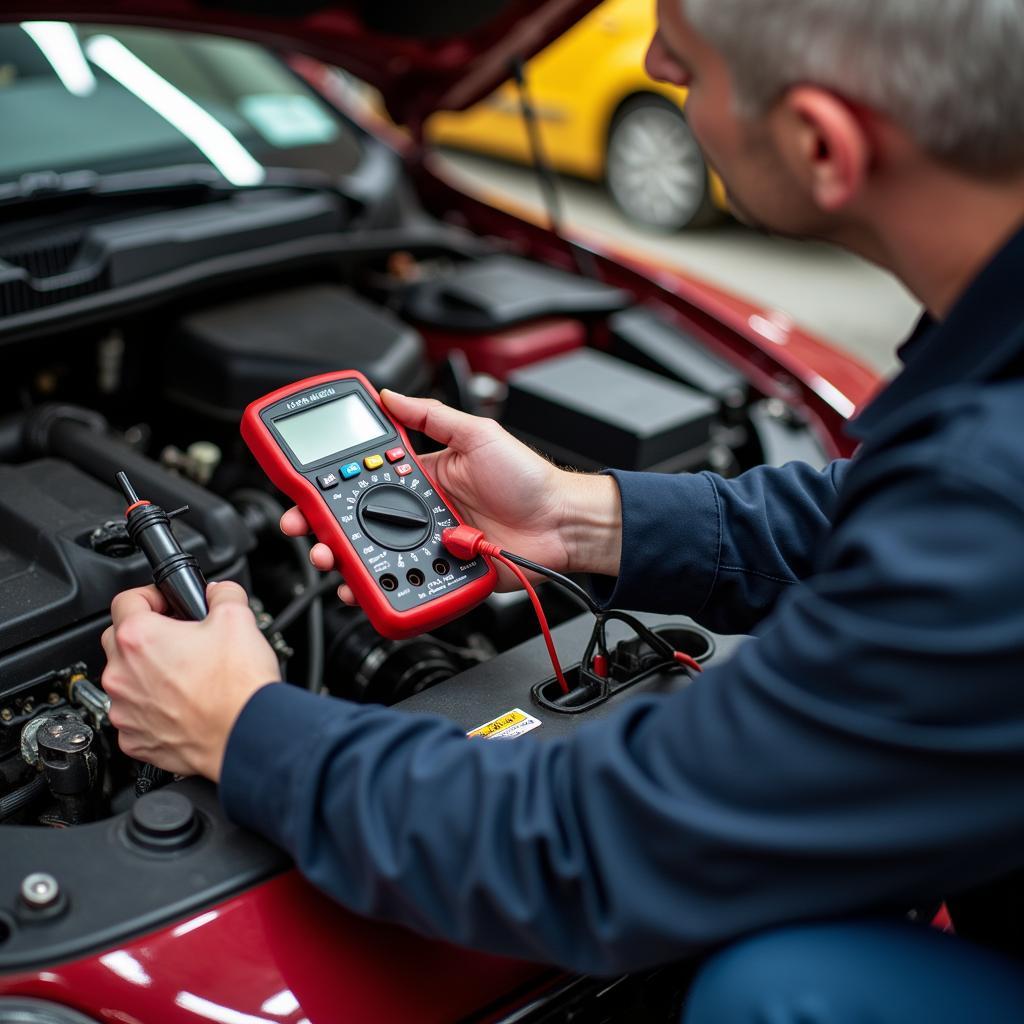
<point>654,169</point>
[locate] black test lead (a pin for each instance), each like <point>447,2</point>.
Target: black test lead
<point>175,572</point>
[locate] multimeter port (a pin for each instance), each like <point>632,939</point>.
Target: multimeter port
<point>415,578</point>
<point>388,582</point>
<point>442,567</point>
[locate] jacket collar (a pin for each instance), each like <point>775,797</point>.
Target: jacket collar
<point>982,335</point>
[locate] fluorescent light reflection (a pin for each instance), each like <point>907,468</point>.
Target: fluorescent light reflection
<point>60,46</point>
<point>284,1004</point>
<point>196,922</point>
<point>209,1010</point>
<point>126,967</point>
<point>202,129</point>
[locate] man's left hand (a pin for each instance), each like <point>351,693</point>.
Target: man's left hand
<point>176,688</point>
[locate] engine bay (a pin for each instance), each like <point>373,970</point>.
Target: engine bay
<point>137,351</point>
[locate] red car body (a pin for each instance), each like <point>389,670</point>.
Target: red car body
<point>279,950</point>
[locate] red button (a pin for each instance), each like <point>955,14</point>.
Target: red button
<point>395,454</point>
<point>403,470</point>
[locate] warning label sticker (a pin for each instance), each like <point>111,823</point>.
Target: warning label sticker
<point>506,727</point>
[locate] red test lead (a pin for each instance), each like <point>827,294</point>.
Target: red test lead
<point>466,542</point>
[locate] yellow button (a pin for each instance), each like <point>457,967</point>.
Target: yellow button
<point>373,462</point>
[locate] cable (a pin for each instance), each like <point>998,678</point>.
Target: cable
<point>467,542</point>
<point>22,797</point>
<point>272,511</point>
<point>563,581</point>
<point>298,605</point>
<point>584,260</point>
<point>495,552</point>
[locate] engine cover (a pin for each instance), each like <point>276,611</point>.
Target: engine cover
<point>63,557</point>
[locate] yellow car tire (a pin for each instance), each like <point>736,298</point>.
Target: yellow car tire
<point>654,169</point>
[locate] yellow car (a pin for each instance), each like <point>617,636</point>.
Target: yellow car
<point>601,118</point>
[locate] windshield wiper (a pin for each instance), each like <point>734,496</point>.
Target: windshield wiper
<point>49,186</point>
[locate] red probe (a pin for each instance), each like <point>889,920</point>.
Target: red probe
<point>466,542</point>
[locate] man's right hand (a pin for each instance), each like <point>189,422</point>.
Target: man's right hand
<point>570,522</point>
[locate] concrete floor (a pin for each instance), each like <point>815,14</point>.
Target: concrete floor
<point>830,292</point>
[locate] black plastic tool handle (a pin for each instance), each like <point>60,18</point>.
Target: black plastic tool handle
<point>175,572</point>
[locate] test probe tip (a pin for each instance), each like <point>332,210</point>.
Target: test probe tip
<point>126,489</point>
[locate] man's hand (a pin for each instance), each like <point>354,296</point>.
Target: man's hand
<point>567,521</point>
<point>175,687</point>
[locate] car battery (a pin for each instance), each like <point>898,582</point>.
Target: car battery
<point>514,693</point>
<point>590,410</point>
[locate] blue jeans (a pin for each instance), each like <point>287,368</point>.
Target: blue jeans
<point>857,973</point>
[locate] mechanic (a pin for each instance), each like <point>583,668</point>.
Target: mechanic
<point>866,754</point>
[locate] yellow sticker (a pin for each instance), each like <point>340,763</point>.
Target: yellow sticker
<point>506,727</point>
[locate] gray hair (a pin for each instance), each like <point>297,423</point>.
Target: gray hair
<point>950,72</point>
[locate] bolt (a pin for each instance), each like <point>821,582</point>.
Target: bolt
<point>78,739</point>
<point>39,890</point>
<point>53,698</point>
<point>6,715</point>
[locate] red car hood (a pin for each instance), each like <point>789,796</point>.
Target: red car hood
<point>421,55</point>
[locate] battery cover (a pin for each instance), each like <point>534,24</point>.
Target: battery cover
<point>591,410</point>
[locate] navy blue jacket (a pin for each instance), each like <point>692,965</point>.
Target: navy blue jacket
<point>867,751</point>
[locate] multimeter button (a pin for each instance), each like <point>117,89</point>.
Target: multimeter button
<point>373,462</point>
<point>404,470</point>
<point>351,470</point>
<point>395,454</point>
<point>328,481</point>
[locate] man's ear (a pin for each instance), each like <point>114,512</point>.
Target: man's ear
<point>825,144</point>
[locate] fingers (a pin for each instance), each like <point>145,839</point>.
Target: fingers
<point>225,593</point>
<point>134,602</point>
<point>346,595</point>
<point>322,557</point>
<point>453,429</point>
<point>293,523</point>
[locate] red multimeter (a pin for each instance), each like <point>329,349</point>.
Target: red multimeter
<point>329,444</point>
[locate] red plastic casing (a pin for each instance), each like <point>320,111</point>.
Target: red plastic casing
<point>395,625</point>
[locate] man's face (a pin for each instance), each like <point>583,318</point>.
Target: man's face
<point>764,191</point>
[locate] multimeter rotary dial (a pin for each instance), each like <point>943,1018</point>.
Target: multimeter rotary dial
<point>394,517</point>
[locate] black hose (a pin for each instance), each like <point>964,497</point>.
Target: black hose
<point>22,797</point>
<point>273,511</point>
<point>298,605</point>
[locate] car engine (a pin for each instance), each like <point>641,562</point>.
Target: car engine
<point>128,350</point>
<point>159,396</point>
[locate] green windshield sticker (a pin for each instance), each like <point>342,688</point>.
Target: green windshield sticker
<point>287,121</point>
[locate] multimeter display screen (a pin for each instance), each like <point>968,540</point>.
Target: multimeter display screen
<point>332,427</point>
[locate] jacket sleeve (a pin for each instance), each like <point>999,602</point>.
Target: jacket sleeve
<point>721,551</point>
<point>865,753</point>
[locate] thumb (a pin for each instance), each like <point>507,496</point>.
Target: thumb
<point>451,428</point>
<point>225,593</point>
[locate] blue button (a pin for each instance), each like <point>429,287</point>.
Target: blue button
<point>351,470</point>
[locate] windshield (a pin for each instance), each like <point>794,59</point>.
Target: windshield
<point>76,97</point>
